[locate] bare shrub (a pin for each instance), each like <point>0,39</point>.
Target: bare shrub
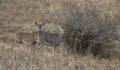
<point>88,33</point>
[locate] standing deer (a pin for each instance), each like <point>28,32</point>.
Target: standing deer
<point>44,38</point>
<point>33,37</point>
<point>51,39</point>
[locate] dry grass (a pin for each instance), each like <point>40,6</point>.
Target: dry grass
<point>48,59</point>
<point>19,16</point>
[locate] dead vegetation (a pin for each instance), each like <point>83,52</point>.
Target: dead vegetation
<point>87,33</point>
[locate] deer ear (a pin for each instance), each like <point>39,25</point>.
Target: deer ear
<point>60,29</point>
<point>36,23</point>
<point>43,23</point>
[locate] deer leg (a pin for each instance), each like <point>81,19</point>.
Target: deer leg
<point>33,46</point>
<point>40,43</point>
<point>14,45</point>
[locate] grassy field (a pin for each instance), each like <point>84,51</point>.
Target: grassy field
<point>19,16</point>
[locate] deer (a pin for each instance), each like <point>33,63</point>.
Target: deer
<point>33,37</point>
<point>51,39</point>
<point>41,37</point>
